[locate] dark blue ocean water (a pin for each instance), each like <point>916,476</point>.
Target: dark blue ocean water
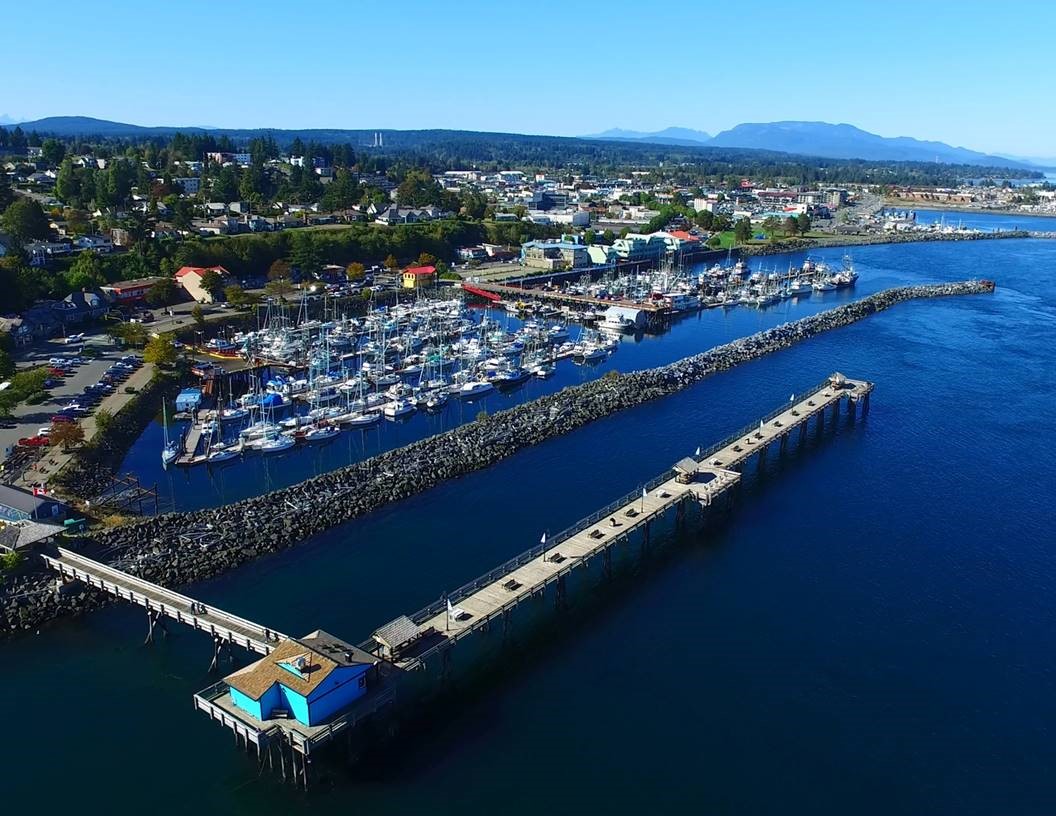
<point>872,630</point>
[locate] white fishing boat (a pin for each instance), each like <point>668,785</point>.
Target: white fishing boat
<point>233,414</point>
<point>359,420</point>
<point>218,454</point>
<point>398,408</point>
<point>275,444</point>
<point>799,287</point>
<point>436,400</point>
<point>474,388</point>
<point>824,285</point>
<point>321,433</point>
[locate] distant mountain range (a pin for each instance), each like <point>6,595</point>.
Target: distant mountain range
<point>672,135</point>
<point>821,139</point>
<point>803,138</point>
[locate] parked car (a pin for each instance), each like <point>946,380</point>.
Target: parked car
<point>60,418</point>
<point>57,372</point>
<point>73,338</point>
<point>52,382</point>
<point>33,441</point>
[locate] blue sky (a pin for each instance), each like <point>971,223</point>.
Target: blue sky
<point>968,73</point>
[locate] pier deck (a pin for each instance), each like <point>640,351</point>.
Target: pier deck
<point>189,454</point>
<point>162,602</point>
<point>555,560</point>
<point>476,604</point>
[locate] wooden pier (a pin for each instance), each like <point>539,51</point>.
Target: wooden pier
<point>409,641</point>
<point>161,603</point>
<point>412,644</point>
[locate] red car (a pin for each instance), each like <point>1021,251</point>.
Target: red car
<point>62,418</point>
<point>57,372</point>
<point>33,441</point>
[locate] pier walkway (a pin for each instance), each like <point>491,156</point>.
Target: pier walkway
<point>514,293</point>
<point>164,603</point>
<point>410,640</point>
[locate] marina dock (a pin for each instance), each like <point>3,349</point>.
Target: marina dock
<point>268,705</point>
<point>515,293</point>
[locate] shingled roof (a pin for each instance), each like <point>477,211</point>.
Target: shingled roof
<point>298,664</point>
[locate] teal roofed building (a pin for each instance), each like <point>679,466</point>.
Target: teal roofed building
<point>309,679</point>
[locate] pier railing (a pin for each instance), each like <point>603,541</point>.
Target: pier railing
<point>751,427</point>
<point>552,541</point>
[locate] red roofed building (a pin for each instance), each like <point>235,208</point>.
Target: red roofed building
<point>415,277</point>
<point>190,278</point>
<point>130,291</point>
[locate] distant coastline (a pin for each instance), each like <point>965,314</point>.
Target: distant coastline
<point>907,205</point>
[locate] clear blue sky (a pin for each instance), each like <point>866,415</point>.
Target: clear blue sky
<point>968,73</point>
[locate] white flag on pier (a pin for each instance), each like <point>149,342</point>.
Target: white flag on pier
<point>698,450</point>
<point>543,539</point>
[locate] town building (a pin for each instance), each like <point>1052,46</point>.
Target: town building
<point>19,505</point>
<point>130,291</point>
<point>190,278</point>
<point>80,307</point>
<point>555,255</point>
<point>637,247</point>
<point>415,277</point>
<point>189,184</point>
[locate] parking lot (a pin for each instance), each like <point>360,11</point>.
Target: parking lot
<point>30,419</point>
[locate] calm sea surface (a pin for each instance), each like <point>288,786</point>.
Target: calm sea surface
<point>872,631</point>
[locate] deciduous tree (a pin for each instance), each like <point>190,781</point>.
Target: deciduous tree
<point>25,220</point>
<point>160,350</point>
<point>66,434</point>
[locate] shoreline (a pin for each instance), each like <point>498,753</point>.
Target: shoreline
<point>231,535</point>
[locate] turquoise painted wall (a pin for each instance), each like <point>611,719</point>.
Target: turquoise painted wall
<point>245,702</point>
<point>340,689</point>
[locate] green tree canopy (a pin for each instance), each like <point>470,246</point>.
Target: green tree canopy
<point>160,350</point>
<point>24,219</point>
<point>163,293</point>
<point>742,230</point>
<point>86,272</point>
<point>212,282</point>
